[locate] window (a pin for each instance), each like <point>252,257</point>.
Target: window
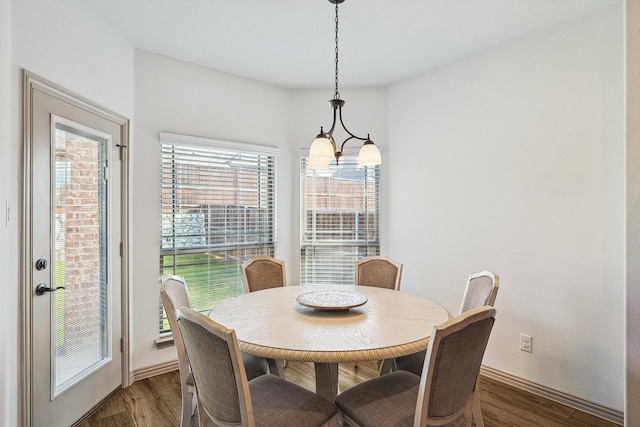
<point>218,209</point>
<point>339,220</point>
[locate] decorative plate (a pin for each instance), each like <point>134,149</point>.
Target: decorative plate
<point>331,300</point>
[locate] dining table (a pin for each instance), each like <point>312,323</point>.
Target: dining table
<point>330,324</point>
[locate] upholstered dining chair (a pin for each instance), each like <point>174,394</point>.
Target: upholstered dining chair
<point>227,397</point>
<point>263,272</point>
<point>378,271</point>
<point>443,394</point>
<point>173,292</point>
<point>482,289</point>
<point>381,272</point>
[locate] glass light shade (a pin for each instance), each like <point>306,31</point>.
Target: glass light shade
<point>321,150</point>
<point>317,164</point>
<point>369,155</point>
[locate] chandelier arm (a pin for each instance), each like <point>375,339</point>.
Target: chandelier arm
<point>333,142</point>
<point>333,123</point>
<point>345,141</point>
<point>347,130</point>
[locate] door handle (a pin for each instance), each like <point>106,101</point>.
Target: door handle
<point>42,288</point>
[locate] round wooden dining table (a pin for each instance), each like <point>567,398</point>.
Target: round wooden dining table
<point>271,323</point>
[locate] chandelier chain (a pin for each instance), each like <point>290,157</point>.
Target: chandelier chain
<point>337,94</point>
<point>325,147</point>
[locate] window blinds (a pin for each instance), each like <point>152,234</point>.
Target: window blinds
<point>218,209</point>
<point>339,220</point>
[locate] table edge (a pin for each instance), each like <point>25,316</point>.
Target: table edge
<point>335,356</point>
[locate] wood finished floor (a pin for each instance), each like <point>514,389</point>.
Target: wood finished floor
<point>155,402</point>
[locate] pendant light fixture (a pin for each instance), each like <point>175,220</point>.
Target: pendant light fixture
<point>324,149</point>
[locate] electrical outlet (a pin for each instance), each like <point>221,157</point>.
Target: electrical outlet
<point>525,342</point>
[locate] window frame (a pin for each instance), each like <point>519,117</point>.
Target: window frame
<point>346,251</point>
<point>238,224</point>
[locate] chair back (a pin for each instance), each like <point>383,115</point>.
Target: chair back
<point>482,289</point>
<point>452,365</point>
<point>174,294</point>
<point>263,272</point>
<point>378,271</point>
<point>218,371</point>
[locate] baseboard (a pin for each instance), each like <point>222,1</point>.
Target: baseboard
<point>153,370</point>
<point>579,403</point>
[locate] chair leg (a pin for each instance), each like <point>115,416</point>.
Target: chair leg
<point>387,366</point>
<point>194,404</point>
<point>203,418</point>
<point>276,367</point>
<point>468,418</point>
<point>331,423</point>
<point>477,413</point>
<point>188,408</point>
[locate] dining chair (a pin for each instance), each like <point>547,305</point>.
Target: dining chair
<point>482,289</point>
<point>378,271</point>
<point>381,272</point>
<point>263,272</point>
<point>443,394</point>
<point>227,397</point>
<point>174,293</point>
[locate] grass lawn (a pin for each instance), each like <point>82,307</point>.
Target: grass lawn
<point>210,278</point>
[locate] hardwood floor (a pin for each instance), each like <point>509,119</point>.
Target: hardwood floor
<point>155,402</point>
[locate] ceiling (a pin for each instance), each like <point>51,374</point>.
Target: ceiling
<point>290,43</point>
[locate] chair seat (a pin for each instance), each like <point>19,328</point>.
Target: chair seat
<point>279,403</point>
<point>389,400</point>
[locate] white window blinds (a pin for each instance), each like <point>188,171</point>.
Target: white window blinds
<point>218,209</point>
<point>339,220</point>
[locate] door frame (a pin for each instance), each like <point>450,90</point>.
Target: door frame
<point>32,82</point>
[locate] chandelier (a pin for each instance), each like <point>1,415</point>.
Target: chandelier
<point>324,148</point>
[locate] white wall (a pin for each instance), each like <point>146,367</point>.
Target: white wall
<point>176,96</point>
<point>513,161</point>
<point>66,43</point>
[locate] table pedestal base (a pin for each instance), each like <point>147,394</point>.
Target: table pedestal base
<point>327,380</point>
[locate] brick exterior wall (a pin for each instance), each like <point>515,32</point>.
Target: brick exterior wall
<point>79,182</point>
